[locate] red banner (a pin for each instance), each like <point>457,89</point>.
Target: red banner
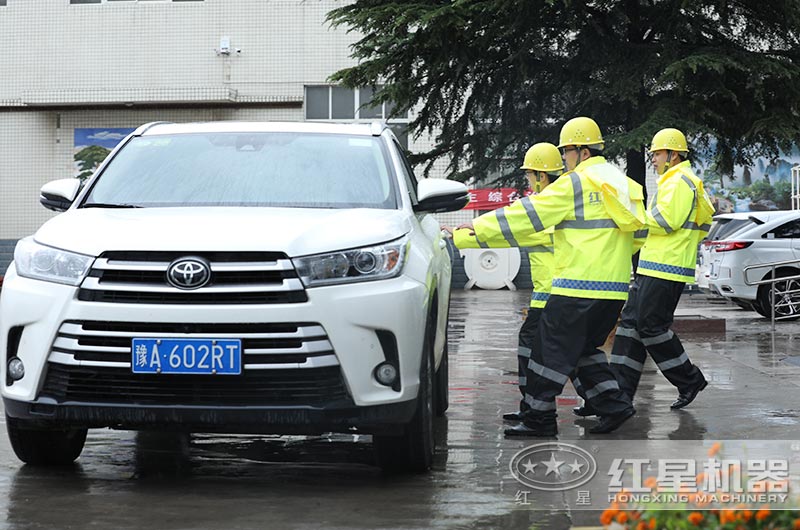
<point>491,199</point>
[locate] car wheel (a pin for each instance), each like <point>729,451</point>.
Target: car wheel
<point>787,300</point>
<point>45,447</point>
<point>413,450</point>
<point>442,384</point>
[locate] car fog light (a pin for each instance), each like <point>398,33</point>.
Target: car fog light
<point>16,370</point>
<point>386,374</point>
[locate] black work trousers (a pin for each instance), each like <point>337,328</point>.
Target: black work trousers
<point>645,328</point>
<point>528,340</point>
<point>571,331</point>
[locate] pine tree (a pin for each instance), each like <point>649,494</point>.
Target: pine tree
<point>491,77</point>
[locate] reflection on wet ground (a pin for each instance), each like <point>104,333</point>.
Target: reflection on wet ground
<point>163,480</point>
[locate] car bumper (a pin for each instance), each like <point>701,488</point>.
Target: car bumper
<point>338,417</point>
<point>352,316</point>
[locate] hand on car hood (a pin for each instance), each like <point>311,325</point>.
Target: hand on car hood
<point>295,231</point>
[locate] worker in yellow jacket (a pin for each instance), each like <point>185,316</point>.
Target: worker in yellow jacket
<point>678,218</point>
<point>595,210</point>
<point>542,165</point>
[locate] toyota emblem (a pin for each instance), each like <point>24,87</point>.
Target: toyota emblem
<point>189,273</point>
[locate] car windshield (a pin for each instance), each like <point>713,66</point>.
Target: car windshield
<point>248,169</point>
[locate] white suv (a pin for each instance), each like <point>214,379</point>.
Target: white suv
<point>233,277</point>
<point>765,238</point>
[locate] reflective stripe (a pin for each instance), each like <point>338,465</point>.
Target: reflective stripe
<point>522,351</point>
<point>532,215</point>
<point>538,404</point>
<point>639,234</point>
<point>586,285</point>
<point>688,181</point>
<point>627,361</point>
<point>693,226</point>
<point>586,225</point>
<point>660,220</point>
<point>523,380</point>
<point>540,297</point>
<point>540,248</point>
<point>577,188</point>
<point>547,373</point>
<point>663,267</point>
<point>598,358</point>
<point>599,388</point>
<point>628,332</point>
<point>673,363</point>
<point>577,384</point>
<point>658,339</point>
<point>505,228</point>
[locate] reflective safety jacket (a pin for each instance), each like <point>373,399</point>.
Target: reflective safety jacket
<point>492,231</point>
<point>678,218</point>
<point>592,253</point>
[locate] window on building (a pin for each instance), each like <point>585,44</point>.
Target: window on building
<point>3,2</point>
<point>335,103</point>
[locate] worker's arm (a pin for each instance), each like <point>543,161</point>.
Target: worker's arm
<point>671,206</point>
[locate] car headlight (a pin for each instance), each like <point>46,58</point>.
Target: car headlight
<point>356,265</point>
<point>39,262</point>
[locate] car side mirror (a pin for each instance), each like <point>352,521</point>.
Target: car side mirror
<point>58,195</point>
<point>441,195</point>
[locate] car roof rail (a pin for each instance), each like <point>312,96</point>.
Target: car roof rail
<point>144,128</point>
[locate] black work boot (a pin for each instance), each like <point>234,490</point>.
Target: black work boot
<point>584,411</point>
<point>612,423</point>
<point>684,398</point>
<point>536,426</point>
<point>512,416</point>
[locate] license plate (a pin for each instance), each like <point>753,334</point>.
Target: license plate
<point>187,356</point>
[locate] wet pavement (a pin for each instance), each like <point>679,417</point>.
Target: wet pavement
<point>149,480</point>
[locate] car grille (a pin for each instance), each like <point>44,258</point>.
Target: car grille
<point>236,278</point>
<point>77,384</point>
<point>282,363</point>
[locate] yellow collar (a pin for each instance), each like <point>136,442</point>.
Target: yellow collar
<point>674,170</point>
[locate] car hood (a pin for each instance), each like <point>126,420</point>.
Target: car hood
<point>295,231</point>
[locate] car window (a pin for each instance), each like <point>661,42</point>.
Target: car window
<point>722,228</point>
<point>249,169</point>
<point>788,230</point>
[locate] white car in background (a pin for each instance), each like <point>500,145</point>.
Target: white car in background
<point>760,239</point>
<point>234,277</point>
<point>723,226</point>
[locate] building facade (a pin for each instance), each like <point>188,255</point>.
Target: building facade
<point>88,71</point>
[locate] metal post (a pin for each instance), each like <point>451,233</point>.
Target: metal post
<point>772,292</point>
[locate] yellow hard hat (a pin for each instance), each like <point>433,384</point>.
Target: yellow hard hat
<point>543,157</point>
<point>669,139</point>
<point>580,131</point>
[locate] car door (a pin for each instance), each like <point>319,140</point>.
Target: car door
<point>782,243</point>
<point>440,266</point>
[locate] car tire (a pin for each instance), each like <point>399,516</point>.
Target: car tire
<point>787,307</point>
<point>413,450</point>
<point>45,447</point>
<point>442,400</point>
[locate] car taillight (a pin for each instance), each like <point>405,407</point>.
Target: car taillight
<point>724,246</point>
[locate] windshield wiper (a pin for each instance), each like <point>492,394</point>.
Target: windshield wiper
<point>108,205</point>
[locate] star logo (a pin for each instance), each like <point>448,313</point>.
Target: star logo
<point>529,466</point>
<point>553,465</point>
